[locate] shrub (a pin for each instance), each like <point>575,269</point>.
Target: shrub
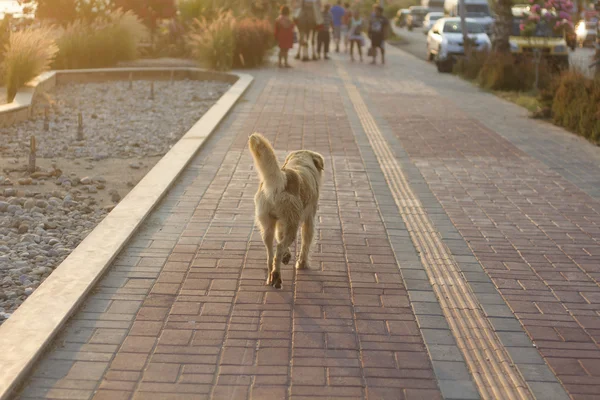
<point>102,43</point>
<point>28,54</point>
<point>213,42</point>
<point>505,72</point>
<point>253,40</point>
<point>470,68</point>
<point>576,104</point>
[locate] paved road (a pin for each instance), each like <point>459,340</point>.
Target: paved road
<point>457,244</point>
<point>417,43</point>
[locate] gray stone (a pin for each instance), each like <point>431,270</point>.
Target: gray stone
<point>23,228</point>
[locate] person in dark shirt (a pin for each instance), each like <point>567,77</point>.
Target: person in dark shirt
<point>323,36</point>
<point>378,31</point>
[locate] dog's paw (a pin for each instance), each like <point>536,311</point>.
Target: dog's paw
<point>286,257</point>
<point>275,279</point>
<point>301,264</point>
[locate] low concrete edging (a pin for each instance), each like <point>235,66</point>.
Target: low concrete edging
<point>20,108</point>
<point>27,333</point>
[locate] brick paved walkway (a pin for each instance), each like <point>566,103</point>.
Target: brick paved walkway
<point>184,313</point>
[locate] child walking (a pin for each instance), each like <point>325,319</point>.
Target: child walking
<point>345,31</point>
<point>355,35</point>
<point>323,36</point>
<point>284,34</point>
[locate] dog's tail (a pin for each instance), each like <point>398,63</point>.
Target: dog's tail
<point>266,163</point>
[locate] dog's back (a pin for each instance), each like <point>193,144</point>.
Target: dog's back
<point>300,174</point>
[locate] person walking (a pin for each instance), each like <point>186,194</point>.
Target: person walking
<point>337,14</point>
<point>323,37</point>
<point>355,35</point>
<point>284,34</point>
<point>378,31</point>
<point>345,31</point>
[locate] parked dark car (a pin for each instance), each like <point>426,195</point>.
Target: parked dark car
<point>401,17</point>
<point>416,17</point>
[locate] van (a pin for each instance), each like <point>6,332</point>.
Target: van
<point>551,45</point>
<point>477,10</point>
<point>433,5</point>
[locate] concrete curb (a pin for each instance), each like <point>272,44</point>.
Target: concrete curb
<point>25,335</point>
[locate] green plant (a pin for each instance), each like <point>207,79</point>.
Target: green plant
<point>471,67</point>
<point>213,42</point>
<point>28,54</point>
<point>576,104</point>
<point>502,71</point>
<point>103,43</point>
<point>253,40</point>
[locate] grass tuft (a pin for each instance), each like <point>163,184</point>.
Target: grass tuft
<point>28,53</point>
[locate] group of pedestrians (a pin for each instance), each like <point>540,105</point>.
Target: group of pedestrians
<point>347,27</point>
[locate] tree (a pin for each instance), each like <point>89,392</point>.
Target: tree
<point>65,11</point>
<point>150,11</point>
<point>60,11</point>
<point>502,25</point>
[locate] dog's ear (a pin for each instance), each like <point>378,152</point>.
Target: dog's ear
<point>318,160</point>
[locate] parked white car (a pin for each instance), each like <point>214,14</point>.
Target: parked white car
<point>430,19</point>
<point>445,41</point>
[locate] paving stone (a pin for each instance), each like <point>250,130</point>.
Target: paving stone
<point>427,308</point>
<point>536,373</point>
<point>438,336</point>
<point>442,352</point>
<point>450,370</point>
<point>521,355</point>
<point>432,321</point>
<point>422,296</point>
<point>458,390</point>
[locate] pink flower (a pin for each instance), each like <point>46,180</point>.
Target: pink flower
<point>536,8</point>
<point>563,15</point>
<point>522,27</point>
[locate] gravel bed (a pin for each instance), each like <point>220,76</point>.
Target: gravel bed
<point>44,215</point>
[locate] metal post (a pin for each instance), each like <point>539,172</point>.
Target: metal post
<point>32,155</point>
<point>79,127</point>
<point>152,90</point>
<point>537,56</point>
<point>463,26</point>
<point>46,119</point>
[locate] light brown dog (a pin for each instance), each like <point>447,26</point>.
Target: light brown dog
<point>287,197</point>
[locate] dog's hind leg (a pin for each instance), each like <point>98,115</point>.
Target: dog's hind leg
<point>308,230</point>
<point>287,255</point>
<point>288,235</point>
<point>268,234</point>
